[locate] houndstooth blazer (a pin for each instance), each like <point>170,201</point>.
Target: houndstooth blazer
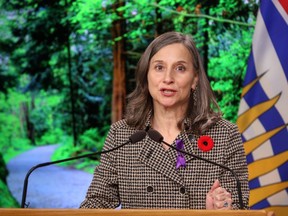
<point>144,175</point>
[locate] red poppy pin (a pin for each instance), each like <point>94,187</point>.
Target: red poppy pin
<point>205,143</point>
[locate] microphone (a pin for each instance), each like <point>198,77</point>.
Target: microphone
<point>157,137</point>
<point>134,138</point>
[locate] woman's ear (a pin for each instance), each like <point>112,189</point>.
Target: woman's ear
<point>194,83</point>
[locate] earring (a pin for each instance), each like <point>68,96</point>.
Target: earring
<point>194,95</point>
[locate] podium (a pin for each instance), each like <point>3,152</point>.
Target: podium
<point>129,212</point>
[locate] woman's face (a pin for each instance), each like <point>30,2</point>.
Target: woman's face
<point>171,77</point>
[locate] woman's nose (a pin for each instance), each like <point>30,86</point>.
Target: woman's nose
<point>168,76</point>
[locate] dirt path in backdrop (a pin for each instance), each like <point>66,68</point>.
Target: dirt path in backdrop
<point>48,187</point>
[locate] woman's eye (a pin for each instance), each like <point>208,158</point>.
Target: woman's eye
<point>159,67</point>
<point>180,68</point>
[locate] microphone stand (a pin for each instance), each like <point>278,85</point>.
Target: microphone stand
<point>136,137</point>
<point>156,136</point>
<point>25,186</point>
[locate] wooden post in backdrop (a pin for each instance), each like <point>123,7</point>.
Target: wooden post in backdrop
<point>119,80</point>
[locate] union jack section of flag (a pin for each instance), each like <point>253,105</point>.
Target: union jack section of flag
<point>263,110</point>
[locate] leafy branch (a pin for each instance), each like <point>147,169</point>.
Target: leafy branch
<point>217,19</point>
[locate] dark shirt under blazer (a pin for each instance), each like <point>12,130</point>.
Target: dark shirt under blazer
<point>144,175</point>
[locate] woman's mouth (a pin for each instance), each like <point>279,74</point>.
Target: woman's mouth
<point>168,92</point>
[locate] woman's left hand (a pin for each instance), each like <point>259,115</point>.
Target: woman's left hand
<point>218,198</point>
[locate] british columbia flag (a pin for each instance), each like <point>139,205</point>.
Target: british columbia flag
<point>263,110</point>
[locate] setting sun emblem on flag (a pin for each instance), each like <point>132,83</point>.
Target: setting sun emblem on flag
<point>263,110</point>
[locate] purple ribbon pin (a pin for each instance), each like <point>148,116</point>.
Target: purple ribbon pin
<point>180,157</point>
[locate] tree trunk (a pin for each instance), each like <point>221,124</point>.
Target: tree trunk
<point>119,80</point>
<point>27,122</point>
<point>72,95</point>
<point>71,88</point>
<point>159,29</point>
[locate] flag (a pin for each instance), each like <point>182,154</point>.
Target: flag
<point>263,110</point>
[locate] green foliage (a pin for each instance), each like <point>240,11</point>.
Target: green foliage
<point>65,149</point>
<point>90,141</point>
<point>52,136</point>
<point>91,14</point>
<point>18,146</point>
<point>3,169</point>
<point>45,118</point>
<point>12,136</point>
<point>87,165</point>
<point>227,68</point>
<point>236,10</point>
<point>6,199</point>
<point>8,77</point>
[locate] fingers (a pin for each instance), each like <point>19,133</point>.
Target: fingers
<point>223,204</point>
<point>209,195</point>
<point>215,185</point>
<point>221,198</point>
<point>218,197</point>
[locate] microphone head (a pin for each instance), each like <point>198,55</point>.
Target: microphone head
<point>155,135</point>
<point>138,136</point>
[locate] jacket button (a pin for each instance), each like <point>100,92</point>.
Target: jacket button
<point>182,190</point>
<point>191,137</point>
<point>150,189</point>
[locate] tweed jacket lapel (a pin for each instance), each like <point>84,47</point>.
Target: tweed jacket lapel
<point>153,155</point>
<point>190,142</point>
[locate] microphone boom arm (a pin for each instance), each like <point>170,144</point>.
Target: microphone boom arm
<point>136,137</point>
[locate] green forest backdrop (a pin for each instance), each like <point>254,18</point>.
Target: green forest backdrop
<point>67,65</point>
